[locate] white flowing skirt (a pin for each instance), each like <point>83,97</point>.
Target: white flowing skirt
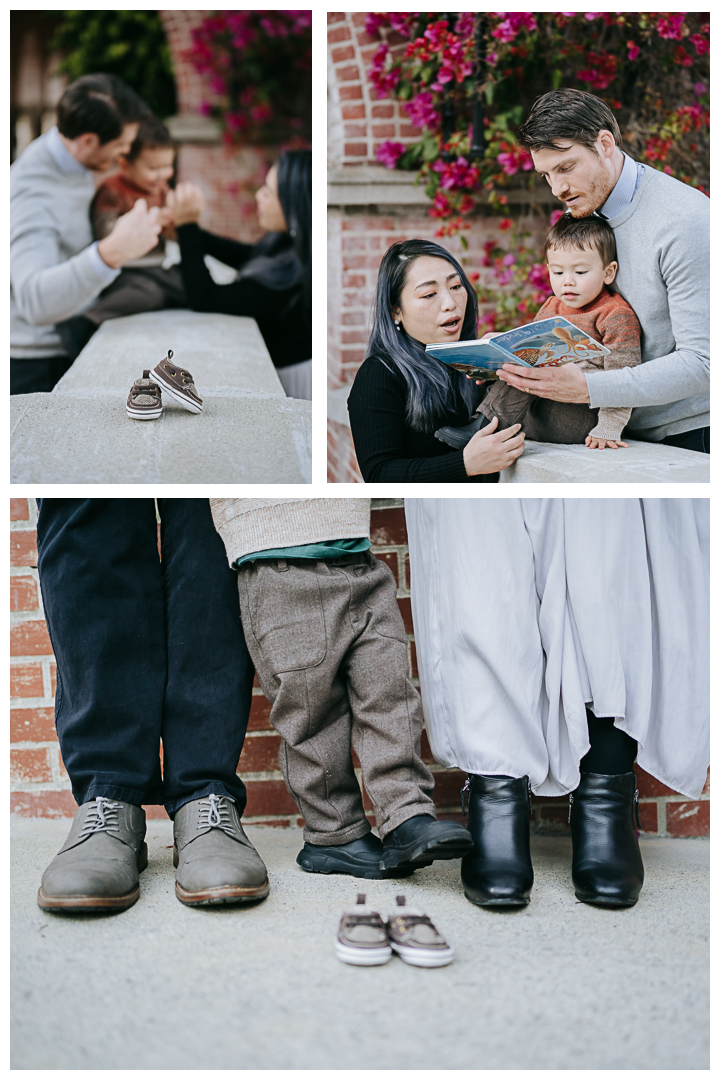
<point>526,610</point>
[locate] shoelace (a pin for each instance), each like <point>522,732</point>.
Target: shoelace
<point>102,817</point>
<point>213,813</point>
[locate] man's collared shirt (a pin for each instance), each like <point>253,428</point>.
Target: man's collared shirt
<point>624,191</point>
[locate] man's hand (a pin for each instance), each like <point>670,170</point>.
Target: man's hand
<point>132,236</point>
<point>186,203</point>
<point>600,444</point>
<point>564,383</point>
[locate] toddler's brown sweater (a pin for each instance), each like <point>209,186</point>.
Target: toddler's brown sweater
<point>610,320</point>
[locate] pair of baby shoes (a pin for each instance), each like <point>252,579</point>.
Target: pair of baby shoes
<point>145,399</point>
<point>365,938</point>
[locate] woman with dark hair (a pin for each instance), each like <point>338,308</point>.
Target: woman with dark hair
<point>402,395</point>
<point>274,279</point>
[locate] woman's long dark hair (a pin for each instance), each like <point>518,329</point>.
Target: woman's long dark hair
<point>284,259</point>
<point>434,389</point>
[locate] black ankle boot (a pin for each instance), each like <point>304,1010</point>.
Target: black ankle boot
<point>607,867</point>
<point>498,871</point>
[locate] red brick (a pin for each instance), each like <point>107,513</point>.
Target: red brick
<point>383,112</point>
<point>353,112</point>
<point>43,804</point>
<point>23,594</point>
<point>413,661</point>
<point>706,789</point>
<point>19,510</point>
<point>26,680</point>
<point>30,766</point>
<point>388,527</point>
<point>355,131</point>
<point>352,318</point>
<point>259,754</point>
<point>407,572</point>
<point>447,787</point>
<point>355,150</point>
<point>406,612</point>
<point>32,725</point>
<point>383,131</point>
<point>359,18</point>
<point>389,557</point>
<point>407,131</point>
<point>648,785</point>
<point>351,73</point>
<point>260,714</point>
<point>23,548</point>
<point>343,53</point>
<point>688,818</point>
<point>353,337</point>
<point>53,678</point>
<point>268,797</point>
<point>340,33</point>
<point>648,817</point>
<point>153,813</point>
<point>30,639</point>
<point>351,93</point>
<point>425,751</point>
<point>335,17</point>
<point>284,824</point>
<point>365,39</point>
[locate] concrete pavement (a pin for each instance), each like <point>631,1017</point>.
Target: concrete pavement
<point>558,985</point>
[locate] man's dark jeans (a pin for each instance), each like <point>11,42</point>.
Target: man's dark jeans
<point>37,376</point>
<point>147,650</point>
<point>698,440</point>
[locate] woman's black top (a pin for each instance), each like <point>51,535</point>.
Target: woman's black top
<point>387,448</point>
<point>286,333</point>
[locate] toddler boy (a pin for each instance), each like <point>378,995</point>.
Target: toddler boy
<point>324,630</point>
<point>582,262</point>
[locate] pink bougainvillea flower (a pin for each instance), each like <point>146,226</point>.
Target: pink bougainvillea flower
<point>505,224</point>
<point>389,153</point>
<point>555,217</point>
<point>421,110</point>
<point>699,88</point>
<point>633,50</point>
<point>671,27</point>
<point>374,22</point>
<point>702,45</point>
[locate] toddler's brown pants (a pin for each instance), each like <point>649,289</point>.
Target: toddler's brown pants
<point>329,647</point>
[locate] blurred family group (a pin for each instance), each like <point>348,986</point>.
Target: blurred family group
<point>99,231</point>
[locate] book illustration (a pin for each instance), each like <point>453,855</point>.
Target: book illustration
<point>546,343</point>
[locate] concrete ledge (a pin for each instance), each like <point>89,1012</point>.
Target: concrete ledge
<point>224,353</point>
<point>374,185</point>
<point>642,462</point>
<point>68,439</point>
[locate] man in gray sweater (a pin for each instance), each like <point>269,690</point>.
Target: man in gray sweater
<point>662,232</point>
<point>56,270</point>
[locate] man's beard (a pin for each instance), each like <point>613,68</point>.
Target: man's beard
<point>596,196</point>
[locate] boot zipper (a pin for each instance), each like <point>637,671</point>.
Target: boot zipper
<point>529,799</point>
<point>637,807</point>
<point>463,789</point>
<point>570,802</point>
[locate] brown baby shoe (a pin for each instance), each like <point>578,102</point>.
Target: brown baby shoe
<point>145,399</point>
<point>178,383</point>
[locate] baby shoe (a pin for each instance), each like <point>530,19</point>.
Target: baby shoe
<point>362,936</point>
<point>415,939</point>
<point>145,399</point>
<point>178,383</point>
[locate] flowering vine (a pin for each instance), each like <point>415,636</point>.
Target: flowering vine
<point>652,68</point>
<point>258,65</point>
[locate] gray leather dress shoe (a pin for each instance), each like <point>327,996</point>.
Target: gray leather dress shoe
<point>216,863</point>
<point>98,866</point>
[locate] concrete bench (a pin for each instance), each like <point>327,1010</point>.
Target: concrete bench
<point>248,433</point>
<point>553,463</point>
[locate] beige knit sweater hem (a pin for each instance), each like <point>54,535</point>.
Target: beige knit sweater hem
<point>249,525</point>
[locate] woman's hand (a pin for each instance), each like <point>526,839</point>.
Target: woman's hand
<point>186,203</point>
<point>490,451</point>
<point>564,383</point>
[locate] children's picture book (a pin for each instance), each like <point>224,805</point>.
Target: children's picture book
<point>546,343</point>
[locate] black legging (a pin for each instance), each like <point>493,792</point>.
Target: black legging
<point>611,750</point>
<point>147,650</point>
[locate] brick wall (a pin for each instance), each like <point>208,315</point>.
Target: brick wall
<point>39,783</point>
<point>227,177</point>
<point>359,120</point>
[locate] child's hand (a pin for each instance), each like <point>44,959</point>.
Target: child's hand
<point>601,444</point>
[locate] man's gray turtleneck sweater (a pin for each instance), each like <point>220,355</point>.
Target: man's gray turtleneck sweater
<point>663,248</point>
<point>55,269</point>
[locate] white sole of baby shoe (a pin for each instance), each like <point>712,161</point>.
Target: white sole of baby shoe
<point>362,957</point>
<point>428,958</point>
<point>144,415</point>
<point>168,387</point>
